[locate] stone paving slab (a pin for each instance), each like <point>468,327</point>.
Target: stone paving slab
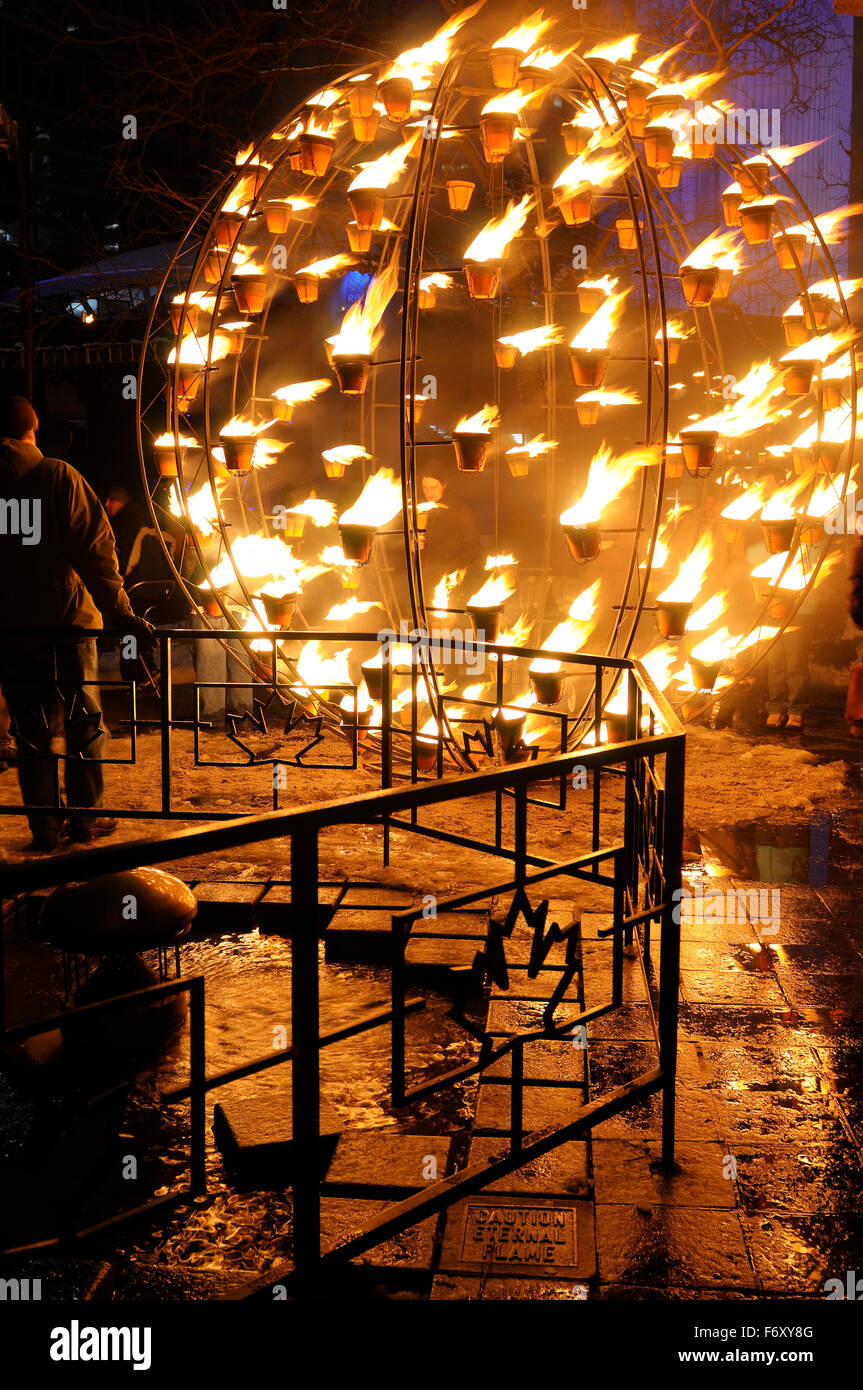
<point>630,1021</point>
<point>758,989</point>
<point>342,1217</point>
<point>811,1180</point>
<point>808,988</point>
<point>724,1023</point>
<point>628,1171</point>
<point>798,1254</point>
<point>361,934</point>
<point>506,1017</point>
<point>613,1064</point>
<point>377,1158</point>
<point>544,1060</point>
<point>459,1287</point>
<point>643,1244</point>
<point>540,987</point>
<point>564,1171</point>
<point>545,1107</point>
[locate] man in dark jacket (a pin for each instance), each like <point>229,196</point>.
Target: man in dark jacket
<point>58,573</point>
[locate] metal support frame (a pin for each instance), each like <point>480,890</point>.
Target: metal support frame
<point>645,875</point>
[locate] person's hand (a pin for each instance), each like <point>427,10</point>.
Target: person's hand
<point>131,625</point>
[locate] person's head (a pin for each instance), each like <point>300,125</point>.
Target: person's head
<point>433,487</point>
<point>115,499</point>
<point>18,419</point>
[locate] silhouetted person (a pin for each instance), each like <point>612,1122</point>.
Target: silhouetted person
<point>58,574</point>
<point>452,539</point>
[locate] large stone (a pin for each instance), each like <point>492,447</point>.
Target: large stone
<point>256,1139</point>
<point>117,914</point>
<point>372,1161</point>
<point>273,911</point>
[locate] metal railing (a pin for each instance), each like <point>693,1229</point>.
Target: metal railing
<point>640,869</point>
<point>275,690</point>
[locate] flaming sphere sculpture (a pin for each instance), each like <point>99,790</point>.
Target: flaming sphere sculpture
<point>473,256</point>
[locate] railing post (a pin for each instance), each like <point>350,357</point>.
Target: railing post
<point>516,1098</point>
<point>305,1038</point>
<point>197,1067</point>
<point>165,717</point>
<point>520,836</point>
<point>387,736</point>
<point>618,914</point>
<point>397,1023</point>
<point>669,950</point>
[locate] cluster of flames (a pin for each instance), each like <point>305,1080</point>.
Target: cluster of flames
<point>617,95</point>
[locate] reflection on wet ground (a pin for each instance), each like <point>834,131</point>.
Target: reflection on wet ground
<point>814,851</point>
<point>768,1197</point>
<point>248,1008</point>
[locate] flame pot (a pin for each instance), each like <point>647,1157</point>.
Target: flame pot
<point>547,686</point>
<point>307,287</point>
<point>357,542</point>
<point>279,608</point>
<point>471,451</point>
<point>352,372</point>
<point>459,193</point>
<point>584,541</point>
<point>588,366</point>
<point>250,292</point>
<point>396,93</point>
<point>483,278</point>
<point>627,236</point>
<point>367,205</point>
<point>778,534</point>
<point>699,451</point>
<point>671,617</point>
<point>658,146</point>
<point>699,283</point>
<point>239,450</point>
<point>497,129</point>
<point>486,622</point>
<point>315,151</point>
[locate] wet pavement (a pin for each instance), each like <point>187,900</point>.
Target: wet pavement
<point>767,1197</point>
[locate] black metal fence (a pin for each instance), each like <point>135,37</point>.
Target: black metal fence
<point>640,869</point>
